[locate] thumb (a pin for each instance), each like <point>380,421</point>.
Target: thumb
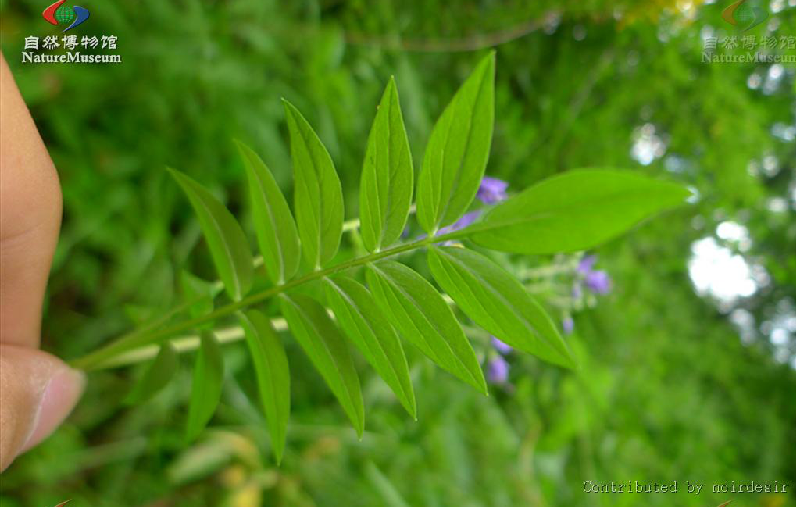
<point>37,391</point>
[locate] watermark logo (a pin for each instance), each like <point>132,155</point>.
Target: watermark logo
<point>69,48</point>
<point>58,14</point>
<point>746,14</point>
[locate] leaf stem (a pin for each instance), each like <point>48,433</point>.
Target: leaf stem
<point>148,336</point>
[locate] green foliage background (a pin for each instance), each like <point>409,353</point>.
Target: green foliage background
<point>667,389</point>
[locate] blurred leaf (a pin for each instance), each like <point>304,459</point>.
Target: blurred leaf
<point>208,376</point>
<point>387,490</point>
<point>226,240</point>
<point>276,230</point>
<point>496,301</point>
<point>324,344</point>
<point>425,319</point>
<point>319,197</point>
<point>385,194</point>
<point>156,376</point>
<point>366,325</point>
<point>574,211</point>
<point>458,150</point>
<point>273,375</point>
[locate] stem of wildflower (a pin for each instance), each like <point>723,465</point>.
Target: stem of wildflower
<point>149,336</point>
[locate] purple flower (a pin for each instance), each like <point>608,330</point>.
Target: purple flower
<point>492,190</point>
<point>503,348</point>
<point>498,370</point>
<point>586,264</point>
<point>464,221</point>
<point>598,282</point>
<point>577,290</point>
<point>568,325</point>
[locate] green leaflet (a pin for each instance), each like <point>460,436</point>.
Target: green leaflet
<point>273,375</point>
<point>385,192</point>
<point>208,376</point>
<point>326,347</point>
<point>425,319</point>
<point>496,301</point>
<point>319,198</point>
<point>574,211</point>
<point>458,150</point>
<point>365,324</point>
<point>273,222</point>
<point>156,376</point>
<point>228,246</point>
<point>199,293</point>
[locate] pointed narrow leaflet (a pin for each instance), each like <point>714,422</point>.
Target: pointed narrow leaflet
<point>327,349</point>
<point>385,192</point>
<point>425,319</point>
<point>226,240</point>
<point>273,222</point>
<point>273,375</point>
<point>365,324</point>
<point>496,301</point>
<point>318,195</point>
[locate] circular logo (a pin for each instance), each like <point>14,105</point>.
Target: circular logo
<point>65,14</point>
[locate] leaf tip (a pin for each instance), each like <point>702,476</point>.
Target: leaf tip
<point>238,143</point>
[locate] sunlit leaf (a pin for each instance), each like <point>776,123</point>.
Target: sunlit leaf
<point>365,324</point>
<point>327,349</point>
<point>385,194</point>
<point>425,319</point>
<point>276,230</point>
<point>458,150</point>
<point>228,245</point>
<point>208,376</point>
<point>574,211</point>
<point>319,198</point>
<point>273,376</point>
<point>156,376</point>
<point>496,301</point>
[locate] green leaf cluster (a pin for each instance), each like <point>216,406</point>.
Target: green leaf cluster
<point>395,304</point>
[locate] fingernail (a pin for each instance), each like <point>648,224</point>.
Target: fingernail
<point>59,398</point>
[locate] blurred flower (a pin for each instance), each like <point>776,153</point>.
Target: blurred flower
<point>598,282</point>
<point>498,371</point>
<point>492,190</point>
<point>464,221</point>
<point>586,264</point>
<point>503,348</point>
<point>568,325</point>
<point>577,290</point>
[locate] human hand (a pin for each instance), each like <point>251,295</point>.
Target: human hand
<point>37,390</point>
